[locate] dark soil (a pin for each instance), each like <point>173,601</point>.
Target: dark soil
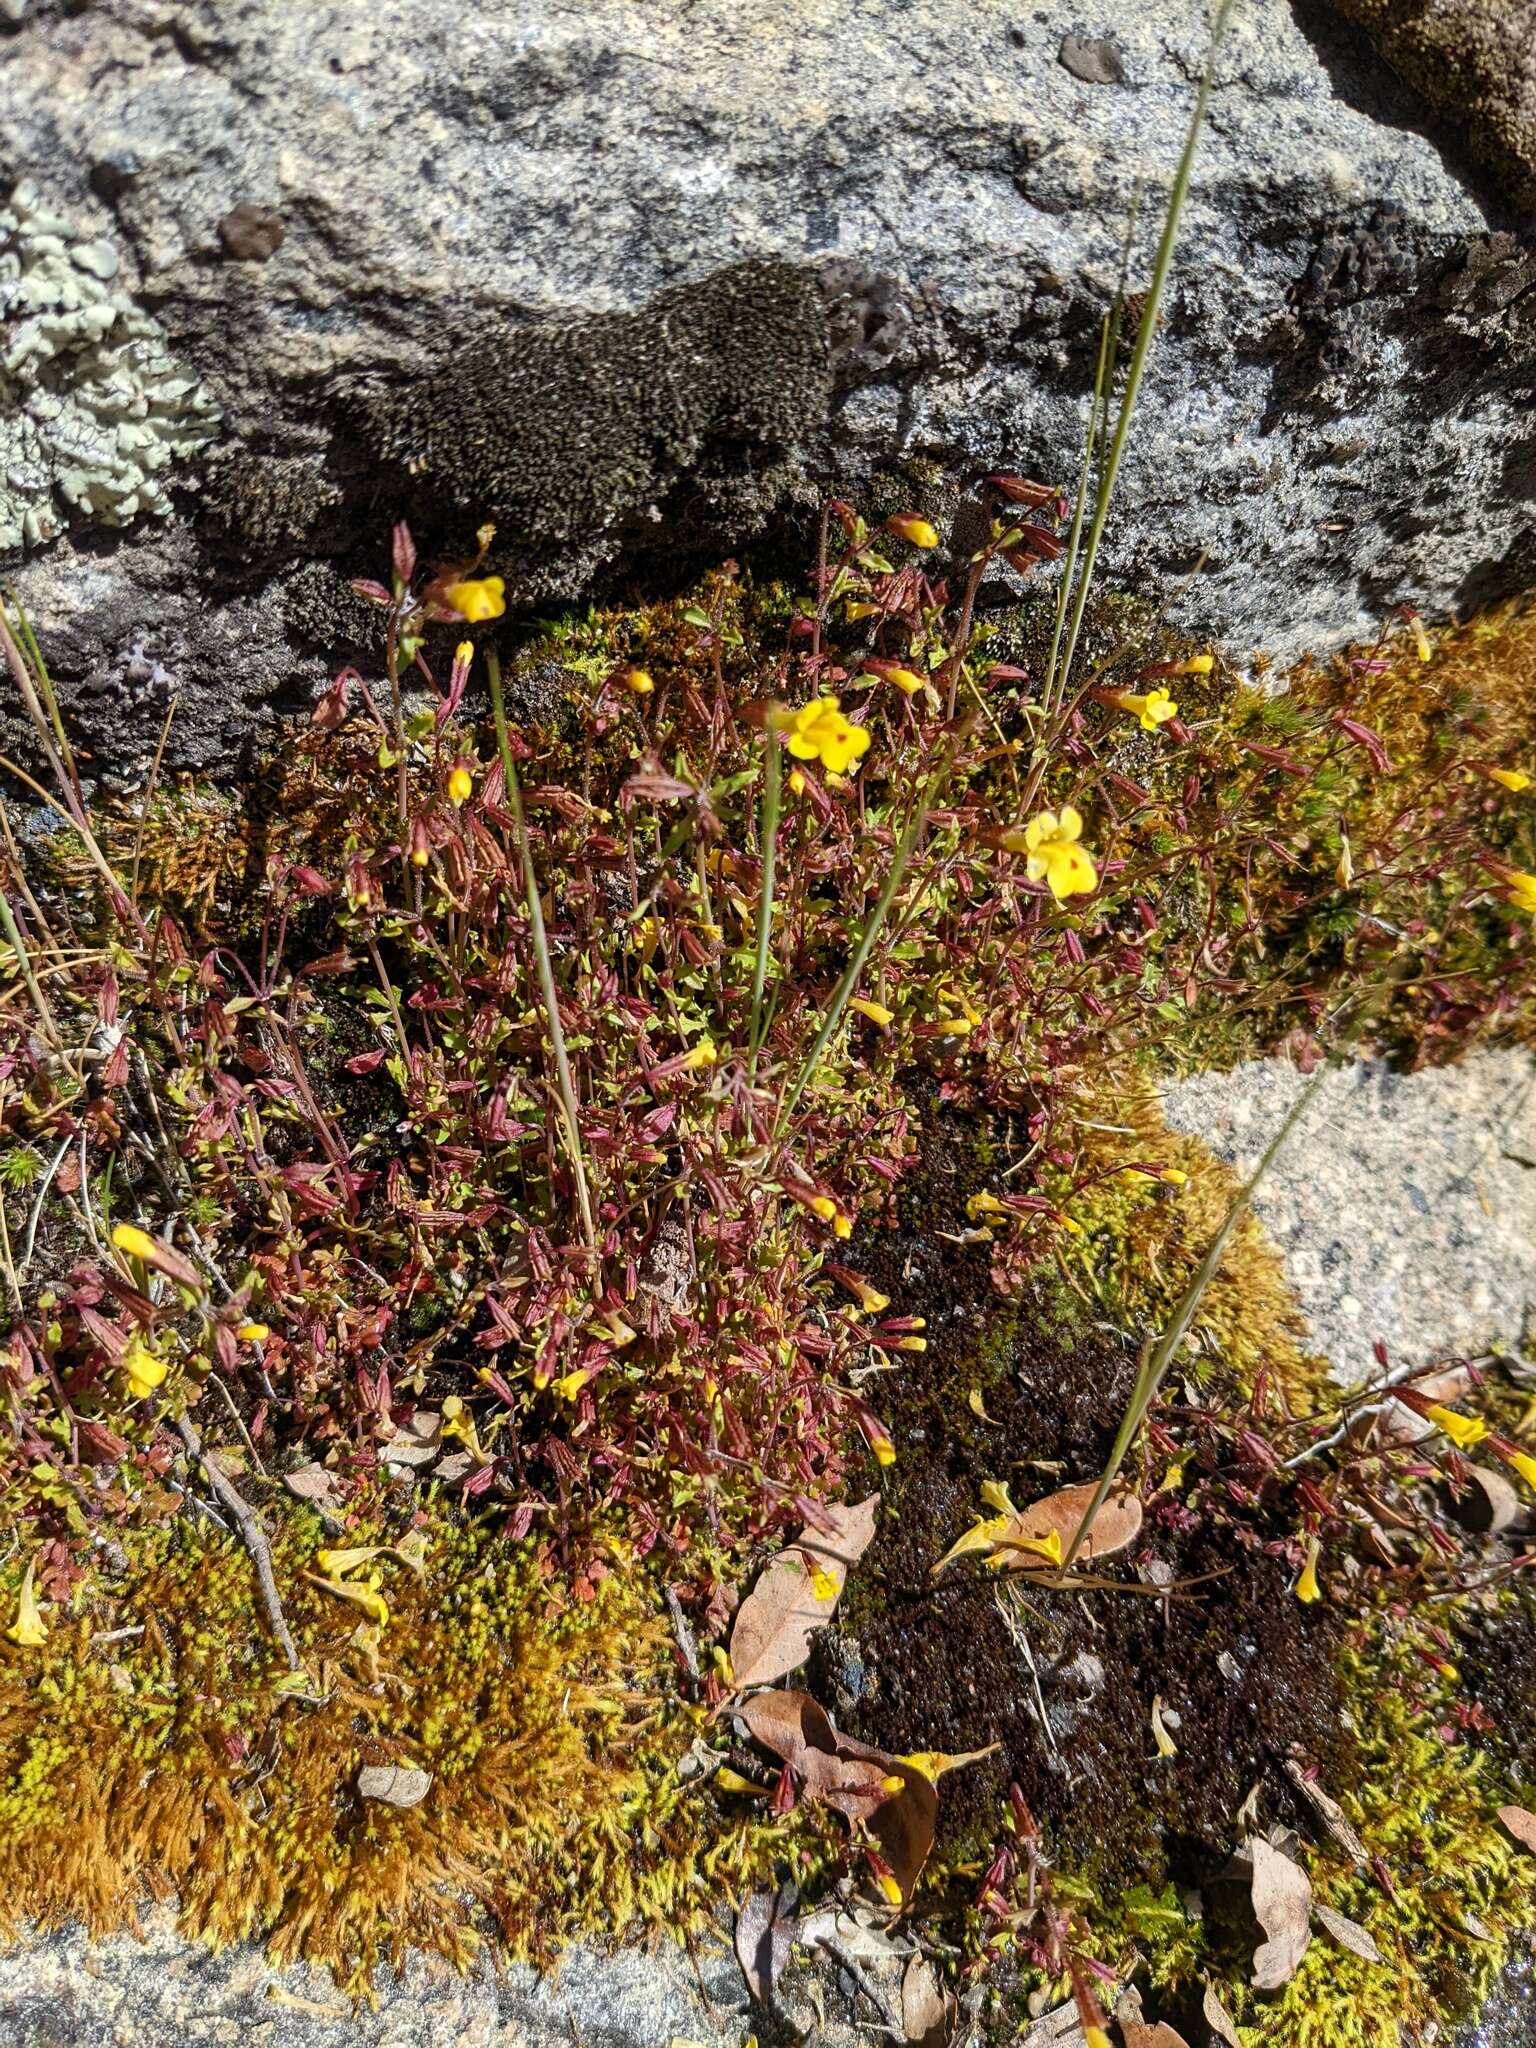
<point>925,1665</point>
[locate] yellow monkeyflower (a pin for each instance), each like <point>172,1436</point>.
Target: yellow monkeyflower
<point>1175,1176</point>
<point>637,680</point>
<point>1055,857</point>
<point>890,1890</point>
<point>1420,637</point>
<point>464,653</point>
<point>1510,779</point>
<point>368,1598</point>
<point>910,526</point>
<point>884,1450</point>
<point>1197,665</point>
<point>569,1385</point>
<point>477,598</point>
<point>144,1370</point>
<point>1522,893</point>
<point>877,1013</point>
<point>822,1206</point>
<point>819,732</point>
<point>1307,1587</point>
<point>460,783</point>
<point>982,1204</point>
<point>704,1054</point>
<point>871,1300</point>
<point>1524,1464</point>
<point>1095,2037</point>
<point>823,1585</point>
<point>138,1244</point>
<point>796,782</point>
<point>28,1629</point>
<point>252,1333</point>
<point>1048,1547</point>
<point>1463,1430</point>
<point>1155,708</point>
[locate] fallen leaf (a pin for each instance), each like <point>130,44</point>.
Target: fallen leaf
<point>800,1733</point>
<point>1521,1825</point>
<point>924,2008</point>
<point>1137,2034</point>
<point>394,1784</point>
<point>310,1482</point>
<point>765,1929</point>
<point>1347,1933</point>
<point>850,1777</point>
<point>1218,2019</point>
<point>797,1594</point>
<point>1282,1905</point>
<point>418,1443</point>
<point>1014,1542</point>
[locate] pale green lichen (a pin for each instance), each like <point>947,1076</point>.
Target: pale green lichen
<point>94,409</point>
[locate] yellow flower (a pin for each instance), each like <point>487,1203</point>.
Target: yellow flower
<point>1420,637</point>
<point>877,1013</point>
<point>1510,778</point>
<point>1463,1430</point>
<point>638,680</point>
<point>368,1598</point>
<point>871,1300</point>
<point>822,1206</point>
<point>460,783</point>
<point>138,1244</point>
<point>984,1204</point>
<point>823,1585</point>
<point>1095,2037</point>
<point>1051,842</point>
<point>1522,893</point>
<point>570,1385</point>
<point>819,732</point>
<point>1525,1465</point>
<point>842,1226</point>
<point>477,598</point>
<point>1153,709</point>
<point>1307,1587</point>
<point>884,1450</point>
<point>907,680</point>
<point>796,782</point>
<point>1175,1176</point>
<point>704,1054</point>
<point>911,527</point>
<point>890,1890</point>
<point>464,653</point>
<point>337,1563</point>
<point>1197,665</point>
<point>252,1333</point>
<point>1048,1547</point>
<point>144,1370</point>
<point>911,1344</point>
<point>28,1629</point>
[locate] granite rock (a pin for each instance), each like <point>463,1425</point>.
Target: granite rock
<point>638,281</point>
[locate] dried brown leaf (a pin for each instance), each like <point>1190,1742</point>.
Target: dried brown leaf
<point>1347,1933</point>
<point>310,1482</point>
<point>1218,2019</point>
<point>851,1777</point>
<point>765,1929</point>
<point>1282,1905</point>
<point>775,1623</point>
<point>1137,2034</point>
<point>924,2007</point>
<point>1115,1527</point>
<point>1521,1824</point>
<point>1328,1811</point>
<point>394,1784</point>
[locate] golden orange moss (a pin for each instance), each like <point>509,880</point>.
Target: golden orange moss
<point>1138,1241</point>
<point>156,1746</point>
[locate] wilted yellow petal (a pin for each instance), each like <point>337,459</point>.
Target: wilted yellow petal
<point>1166,1746</point>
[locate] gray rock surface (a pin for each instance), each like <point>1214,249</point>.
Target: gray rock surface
<point>636,278</point>
<point>1405,1204</point>
<point>65,1991</point>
